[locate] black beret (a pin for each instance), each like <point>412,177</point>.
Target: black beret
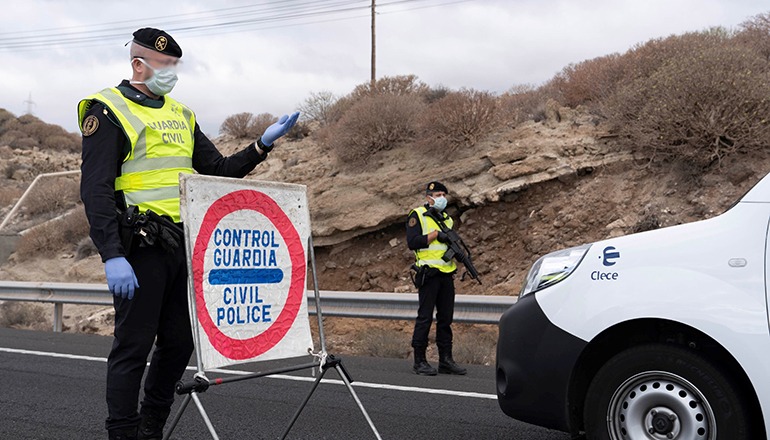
<point>435,187</point>
<point>157,40</point>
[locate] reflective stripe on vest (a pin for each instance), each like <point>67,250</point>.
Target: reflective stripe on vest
<point>431,256</point>
<point>161,142</point>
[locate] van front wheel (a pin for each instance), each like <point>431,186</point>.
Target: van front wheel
<point>658,391</point>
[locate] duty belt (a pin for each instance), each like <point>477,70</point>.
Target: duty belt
<point>150,229</point>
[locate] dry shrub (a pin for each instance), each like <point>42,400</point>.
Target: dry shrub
<point>755,34</point>
<point>391,85</point>
<point>475,344</point>
<point>435,94</point>
<point>460,119</point>
<point>23,315</point>
<point>707,100</point>
<point>9,193</point>
<point>319,107</point>
<point>299,131</point>
<point>237,125</point>
<point>522,103</point>
<point>11,124</point>
<point>374,123</point>
<point>5,116</point>
<point>590,81</point>
<point>260,123</point>
<point>27,131</point>
<point>56,194</point>
<point>24,143</point>
<point>12,135</point>
<point>11,168</point>
<point>380,342</point>
<point>246,125</point>
<point>59,235</point>
<point>62,142</point>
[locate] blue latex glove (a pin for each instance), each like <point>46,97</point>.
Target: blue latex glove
<point>279,128</point>
<point>120,277</point>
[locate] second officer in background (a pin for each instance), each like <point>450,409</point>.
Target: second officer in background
<point>434,279</point>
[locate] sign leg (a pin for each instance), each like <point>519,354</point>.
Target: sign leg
<point>344,378</point>
<point>304,403</point>
<point>318,314</point>
<point>176,418</point>
<point>205,416</point>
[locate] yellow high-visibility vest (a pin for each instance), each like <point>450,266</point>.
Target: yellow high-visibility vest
<point>161,148</point>
<point>431,256</point>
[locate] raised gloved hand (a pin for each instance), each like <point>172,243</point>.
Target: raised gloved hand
<point>120,277</point>
<point>279,128</point>
<point>442,237</point>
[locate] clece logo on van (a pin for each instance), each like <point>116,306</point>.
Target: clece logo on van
<point>609,257</point>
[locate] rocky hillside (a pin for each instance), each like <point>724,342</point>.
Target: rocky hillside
<point>524,191</point>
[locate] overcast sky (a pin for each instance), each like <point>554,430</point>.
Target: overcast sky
<point>268,56</point>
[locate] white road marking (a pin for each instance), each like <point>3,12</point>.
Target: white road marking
<point>274,376</point>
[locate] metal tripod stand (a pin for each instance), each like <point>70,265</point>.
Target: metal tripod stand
<point>324,362</point>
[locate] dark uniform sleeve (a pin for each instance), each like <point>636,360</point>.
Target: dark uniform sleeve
<point>102,155</point>
<point>208,160</point>
<point>414,236</point>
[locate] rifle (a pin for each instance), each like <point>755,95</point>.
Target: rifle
<point>457,248</point>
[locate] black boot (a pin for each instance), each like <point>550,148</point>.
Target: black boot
<point>151,426</point>
<point>123,434</point>
<point>447,365</point>
<point>421,365</point>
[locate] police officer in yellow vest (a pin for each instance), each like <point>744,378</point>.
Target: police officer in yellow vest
<point>136,142</point>
<point>435,281</point>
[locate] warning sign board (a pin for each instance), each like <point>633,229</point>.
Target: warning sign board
<point>247,246</point>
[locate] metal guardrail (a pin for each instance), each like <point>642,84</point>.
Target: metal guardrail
<point>478,309</point>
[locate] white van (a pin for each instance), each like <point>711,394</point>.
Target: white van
<point>658,335</point>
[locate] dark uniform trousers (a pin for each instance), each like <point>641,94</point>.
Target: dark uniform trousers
<point>437,292</point>
<point>159,307</point>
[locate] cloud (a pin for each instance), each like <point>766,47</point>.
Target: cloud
<point>484,44</point>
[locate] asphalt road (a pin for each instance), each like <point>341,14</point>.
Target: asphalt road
<point>54,389</point>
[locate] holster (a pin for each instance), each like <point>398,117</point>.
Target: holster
<point>420,274</point>
<point>148,229</point>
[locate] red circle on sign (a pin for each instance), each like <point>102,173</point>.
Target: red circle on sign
<point>240,349</point>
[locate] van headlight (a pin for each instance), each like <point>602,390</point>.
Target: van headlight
<point>552,268</point>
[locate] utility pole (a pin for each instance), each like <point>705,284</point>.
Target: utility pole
<point>29,103</point>
<point>374,76</point>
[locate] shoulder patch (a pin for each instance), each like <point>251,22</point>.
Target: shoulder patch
<point>412,221</point>
<point>90,125</point>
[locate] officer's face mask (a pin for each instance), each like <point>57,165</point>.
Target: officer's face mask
<point>439,202</point>
<point>162,81</point>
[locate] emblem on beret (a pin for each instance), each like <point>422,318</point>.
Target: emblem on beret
<point>90,124</point>
<point>431,186</point>
<point>161,43</point>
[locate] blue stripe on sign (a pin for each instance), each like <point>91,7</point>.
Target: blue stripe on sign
<point>245,276</point>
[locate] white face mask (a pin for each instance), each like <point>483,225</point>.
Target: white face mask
<point>161,82</point>
<point>439,202</point>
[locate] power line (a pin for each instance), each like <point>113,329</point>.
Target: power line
<point>216,21</point>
